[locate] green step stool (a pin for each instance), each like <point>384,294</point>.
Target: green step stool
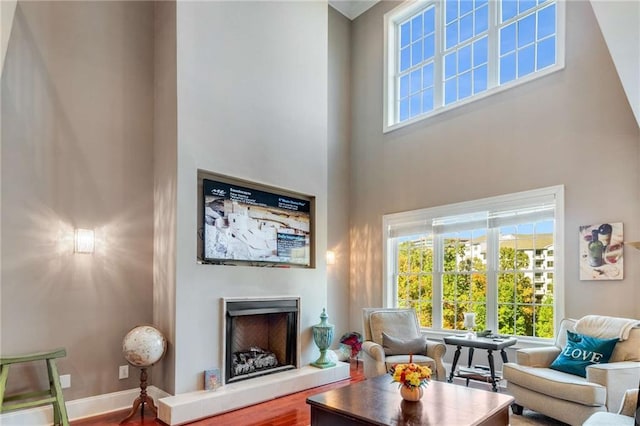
<point>33,399</point>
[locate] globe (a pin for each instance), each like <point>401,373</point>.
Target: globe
<point>143,346</point>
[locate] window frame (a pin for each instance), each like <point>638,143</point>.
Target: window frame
<point>425,215</point>
<point>394,17</point>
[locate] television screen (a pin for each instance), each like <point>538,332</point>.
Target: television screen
<point>245,224</point>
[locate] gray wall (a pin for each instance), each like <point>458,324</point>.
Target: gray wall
<point>165,172</point>
<point>574,127</point>
<point>77,117</point>
<point>339,134</point>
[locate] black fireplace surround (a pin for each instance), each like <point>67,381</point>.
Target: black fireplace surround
<point>261,337</point>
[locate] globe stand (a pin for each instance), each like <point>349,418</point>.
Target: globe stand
<point>143,399</point>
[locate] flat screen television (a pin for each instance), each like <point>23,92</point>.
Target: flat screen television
<point>242,224</point>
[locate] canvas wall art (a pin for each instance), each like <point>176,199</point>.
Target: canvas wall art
<point>601,252</point>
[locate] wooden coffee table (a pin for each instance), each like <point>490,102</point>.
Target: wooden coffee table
<point>377,401</point>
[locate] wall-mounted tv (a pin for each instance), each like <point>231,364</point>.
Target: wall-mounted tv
<point>250,225</point>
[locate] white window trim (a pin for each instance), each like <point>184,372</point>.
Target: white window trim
<point>407,9</point>
<point>389,299</point>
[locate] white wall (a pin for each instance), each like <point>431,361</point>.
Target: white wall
<point>574,127</point>
<point>620,25</point>
<point>252,104</point>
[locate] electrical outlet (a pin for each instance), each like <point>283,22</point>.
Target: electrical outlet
<point>65,381</point>
<point>123,372</point>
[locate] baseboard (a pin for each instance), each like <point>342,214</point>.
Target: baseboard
<point>79,408</point>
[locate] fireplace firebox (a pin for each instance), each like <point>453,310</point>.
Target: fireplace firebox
<point>261,337</point>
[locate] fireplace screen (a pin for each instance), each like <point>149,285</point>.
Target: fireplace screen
<point>261,337</point>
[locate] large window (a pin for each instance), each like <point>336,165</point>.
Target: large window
<point>494,257</point>
<point>444,53</point>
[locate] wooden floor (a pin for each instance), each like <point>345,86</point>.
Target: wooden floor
<point>290,410</point>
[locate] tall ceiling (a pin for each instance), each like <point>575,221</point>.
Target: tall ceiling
<point>352,8</point>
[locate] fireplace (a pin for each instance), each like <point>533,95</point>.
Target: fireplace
<point>261,337</point>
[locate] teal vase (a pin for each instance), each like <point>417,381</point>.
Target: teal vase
<point>323,336</point>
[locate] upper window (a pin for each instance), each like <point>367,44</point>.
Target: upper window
<point>491,257</point>
<point>444,53</point>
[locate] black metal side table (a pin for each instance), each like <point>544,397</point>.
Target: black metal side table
<point>489,344</point>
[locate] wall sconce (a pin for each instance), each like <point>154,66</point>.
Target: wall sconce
<point>84,241</point>
<point>331,257</point>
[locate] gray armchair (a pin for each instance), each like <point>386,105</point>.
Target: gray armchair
<point>399,325</point>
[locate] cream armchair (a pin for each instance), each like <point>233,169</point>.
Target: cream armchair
<point>629,410</point>
<point>567,397</point>
<point>401,330</point>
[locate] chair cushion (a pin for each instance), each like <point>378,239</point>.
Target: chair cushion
<point>608,419</point>
<point>556,384</point>
<point>582,351</point>
<point>394,323</point>
<point>398,346</point>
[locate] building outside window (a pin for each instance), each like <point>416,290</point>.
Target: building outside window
<point>444,53</point>
<point>480,256</point>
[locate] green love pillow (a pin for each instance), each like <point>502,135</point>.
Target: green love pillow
<point>582,351</point>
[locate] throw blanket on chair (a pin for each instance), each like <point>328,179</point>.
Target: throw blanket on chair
<point>604,327</point>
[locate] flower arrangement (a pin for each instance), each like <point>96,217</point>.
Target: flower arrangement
<point>411,375</point>
<point>354,341</point>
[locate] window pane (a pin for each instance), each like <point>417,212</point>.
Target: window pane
<point>480,79</point>
<point>466,27</point>
<point>480,3</point>
<point>508,39</point>
<point>524,5</point>
<point>450,91</point>
<point>425,314</point>
<point>464,59</point>
<point>415,105</point>
<point>416,28</point>
<point>404,86</point>
<point>450,65</point>
<point>416,53</point>
<point>429,47</point>
<point>452,34</point>
<point>509,9</point>
<point>526,30</point>
<point>429,20</point>
<point>464,85</point>
<point>405,31</point>
<point>404,109</point>
<point>427,76</point>
<point>466,6</point>
<point>526,60</point>
<point>416,81</point>
<point>546,21</point>
<point>427,100</point>
<point>546,53</point>
<point>480,51</point>
<point>482,20</point>
<point>405,59</point>
<point>451,10</point>
<point>507,68</point>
